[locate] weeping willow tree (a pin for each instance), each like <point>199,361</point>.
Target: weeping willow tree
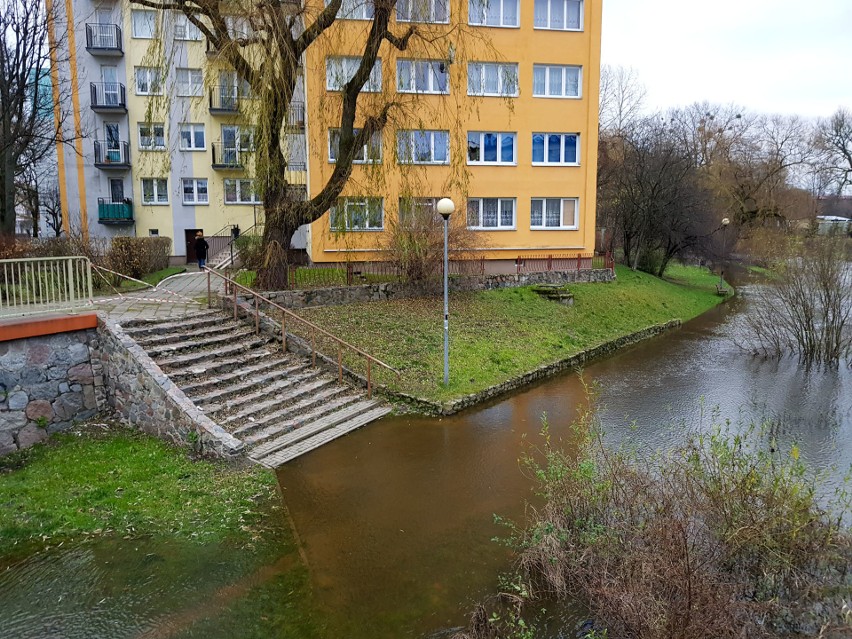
<point>265,43</point>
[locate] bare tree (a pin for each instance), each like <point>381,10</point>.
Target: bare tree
<point>622,99</point>
<point>28,132</point>
<point>834,143</point>
<point>51,209</point>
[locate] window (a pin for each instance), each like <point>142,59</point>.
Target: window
<point>493,13</point>
<point>192,137</point>
<point>423,147</point>
<point>155,191</point>
<point>184,29</point>
<point>490,148</point>
<point>237,27</point>
<point>143,23</point>
<point>148,81</point>
<point>357,214</point>
<point>339,70</point>
<point>555,81</point>
<point>422,76</point>
<point>190,82</point>
<point>555,148</point>
<point>423,11</point>
<point>240,192</point>
<point>195,190</point>
<point>355,9</point>
<point>370,153</point>
<point>487,78</point>
<point>152,136</point>
<point>414,211</point>
<point>559,14</point>
<point>554,213</point>
<point>154,232</point>
<point>491,213</point>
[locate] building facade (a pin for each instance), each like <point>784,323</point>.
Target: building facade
<point>496,108</point>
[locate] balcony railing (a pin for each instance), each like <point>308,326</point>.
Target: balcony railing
<point>228,157</point>
<point>117,213</point>
<point>226,99</point>
<point>108,97</point>
<point>110,156</point>
<point>296,174</point>
<point>296,116</point>
<point>104,39</point>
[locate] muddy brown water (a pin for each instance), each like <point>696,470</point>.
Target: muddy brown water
<point>396,520</point>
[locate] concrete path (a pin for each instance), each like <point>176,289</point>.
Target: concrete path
<point>176,296</point>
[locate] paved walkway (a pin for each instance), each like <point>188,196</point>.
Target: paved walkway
<point>176,296</point>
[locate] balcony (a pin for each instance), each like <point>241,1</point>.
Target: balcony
<point>226,100</point>
<point>110,158</point>
<point>115,213</point>
<point>296,175</point>
<point>104,40</point>
<point>296,116</point>
<point>108,97</point>
<point>228,158</point>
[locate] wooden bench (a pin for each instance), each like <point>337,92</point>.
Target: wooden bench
<point>721,289</point>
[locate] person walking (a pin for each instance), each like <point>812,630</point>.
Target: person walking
<point>201,248</point>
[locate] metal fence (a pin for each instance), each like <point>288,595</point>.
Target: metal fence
<point>44,285</point>
<point>354,273</point>
<point>577,262</point>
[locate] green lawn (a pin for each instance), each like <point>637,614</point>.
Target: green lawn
<point>122,482</point>
<point>319,277</point>
<point>497,335</point>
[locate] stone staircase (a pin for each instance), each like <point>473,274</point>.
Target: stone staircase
<point>276,403</point>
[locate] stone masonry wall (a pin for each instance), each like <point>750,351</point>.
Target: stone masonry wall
<point>334,296</point>
<point>46,383</point>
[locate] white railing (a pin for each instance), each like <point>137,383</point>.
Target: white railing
<point>44,285</point>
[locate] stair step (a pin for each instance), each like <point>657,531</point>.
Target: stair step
<point>198,356</point>
<point>159,339</point>
<point>220,366</point>
<point>295,391</point>
<point>199,344</point>
<point>270,427</point>
<point>210,383</point>
<point>286,412</point>
<point>143,327</point>
<point>273,390</point>
<point>297,435</point>
<point>250,382</point>
<point>306,445</point>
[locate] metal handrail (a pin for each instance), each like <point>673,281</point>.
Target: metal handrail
<point>285,313</point>
<point>33,285</point>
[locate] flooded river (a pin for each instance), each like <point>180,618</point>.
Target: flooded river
<point>396,520</point>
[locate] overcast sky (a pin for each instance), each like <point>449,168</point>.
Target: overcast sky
<point>780,56</point>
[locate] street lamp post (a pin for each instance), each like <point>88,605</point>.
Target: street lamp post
<point>725,222</point>
<point>446,207</point>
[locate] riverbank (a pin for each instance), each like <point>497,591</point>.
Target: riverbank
<point>497,336</point>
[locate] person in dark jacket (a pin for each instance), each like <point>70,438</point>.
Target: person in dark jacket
<point>201,248</point>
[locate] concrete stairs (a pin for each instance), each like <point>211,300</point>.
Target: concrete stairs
<point>276,403</point>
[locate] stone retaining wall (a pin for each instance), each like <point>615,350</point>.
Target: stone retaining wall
<point>46,383</point>
<point>334,296</point>
<point>141,394</point>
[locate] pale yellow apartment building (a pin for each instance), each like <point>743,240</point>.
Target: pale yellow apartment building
<point>498,110</point>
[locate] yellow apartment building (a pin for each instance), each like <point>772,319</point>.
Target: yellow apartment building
<point>497,108</point>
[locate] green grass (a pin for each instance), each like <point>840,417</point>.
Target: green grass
<point>319,277</point>
<point>152,278</point>
<point>498,335</point>
<point>125,483</point>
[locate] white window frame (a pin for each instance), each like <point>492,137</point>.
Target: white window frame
<point>140,18</point>
<point>542,202</point>
<point>196,191</point>
<point>407,7</point>
<point>407,68</point>
<point>192,128</point>
<point>152,134</point>
<point>477,13</point>
<point>552,68</point>
<point>429,204</point>
<point>340,69</point>
<point>237,26</point>
<point>565,4</point>
<point>238,192</point>
<point>189,82</point>
<point>405,147</point>
<point>364,156</point>
<point>159,186</point>
<point>561,137</point>
<point>500,161</point>
<point>153,78</point>
<point>504,71</point>
<point>184,29</point>
<point>480,203</point>
<point>354,9</point>
<point>346,203</point>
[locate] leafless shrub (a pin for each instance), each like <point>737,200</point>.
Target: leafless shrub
<point>136,256</point>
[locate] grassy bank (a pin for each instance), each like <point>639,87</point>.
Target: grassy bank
<point>498,335</point>
<point>119,482</point>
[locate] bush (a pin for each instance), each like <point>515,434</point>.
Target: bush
<point>136,256</point>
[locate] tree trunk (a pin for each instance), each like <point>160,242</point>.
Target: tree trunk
<point>7,196</point>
